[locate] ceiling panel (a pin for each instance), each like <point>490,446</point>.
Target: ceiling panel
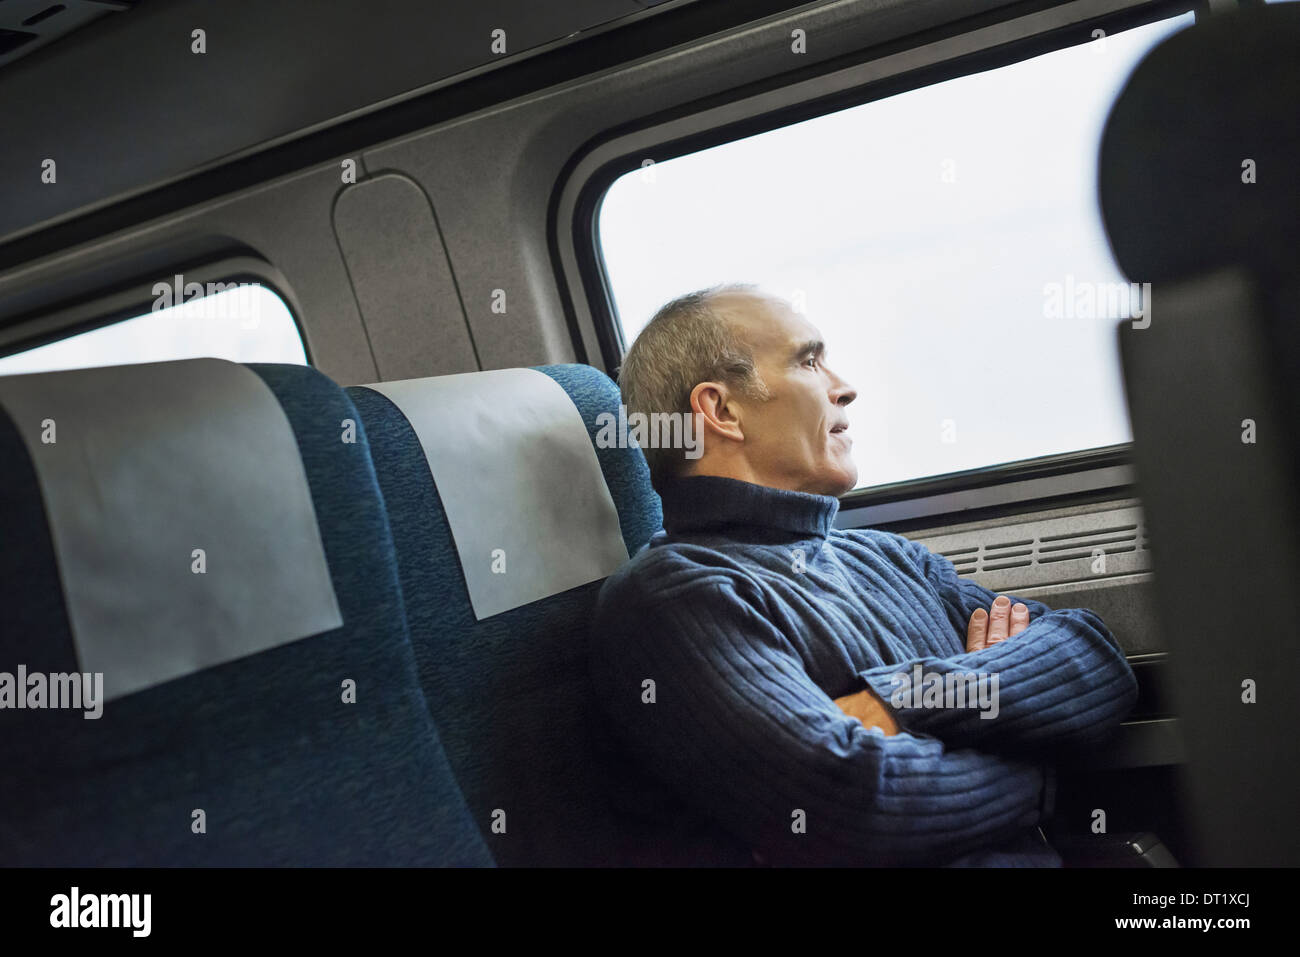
<point>28,25</point>
<point>125,104</point>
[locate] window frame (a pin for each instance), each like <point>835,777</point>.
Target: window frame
<point>134,298</point>
<point>910,64</point>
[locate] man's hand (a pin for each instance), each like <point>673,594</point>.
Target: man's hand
<point>999,623</point>
<point>986,628</point>
<point>868,709</point>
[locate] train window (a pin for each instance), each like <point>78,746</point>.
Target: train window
<point>946,241</point>
<point>241,321</point>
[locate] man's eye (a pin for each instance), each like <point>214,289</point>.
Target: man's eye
<point>811,360</point>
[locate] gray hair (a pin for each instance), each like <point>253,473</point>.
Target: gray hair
<point>686,342</point>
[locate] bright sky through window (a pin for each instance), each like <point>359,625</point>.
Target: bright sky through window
<point>249,323</point>
<point>932,237</point>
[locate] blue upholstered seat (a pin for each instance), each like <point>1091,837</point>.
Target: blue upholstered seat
<point>510,693</point>
<point>285,772</point>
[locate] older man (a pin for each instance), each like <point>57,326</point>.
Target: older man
<point>785,688</point>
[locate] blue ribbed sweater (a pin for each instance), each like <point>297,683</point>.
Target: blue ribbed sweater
<point>716,653</point>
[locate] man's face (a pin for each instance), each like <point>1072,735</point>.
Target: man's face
<point>798,438</point>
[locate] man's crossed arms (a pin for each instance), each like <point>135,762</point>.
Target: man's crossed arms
<point>1002,621</point>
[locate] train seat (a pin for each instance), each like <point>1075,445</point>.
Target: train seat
<point>506,676</point>
<point>207,542</point>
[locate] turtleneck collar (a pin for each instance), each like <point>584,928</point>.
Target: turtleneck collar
<point>709,501</point>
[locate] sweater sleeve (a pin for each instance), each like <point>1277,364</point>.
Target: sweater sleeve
<point>1063,682</point>
<point>713,700</point>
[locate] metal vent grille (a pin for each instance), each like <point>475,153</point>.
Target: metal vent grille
<point>1048,551</point>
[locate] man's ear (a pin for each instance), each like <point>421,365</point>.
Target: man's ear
<point>720,414</point>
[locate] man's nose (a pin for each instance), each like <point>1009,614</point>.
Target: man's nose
<point>841,392</point>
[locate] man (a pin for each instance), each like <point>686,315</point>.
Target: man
<point>753,661</point>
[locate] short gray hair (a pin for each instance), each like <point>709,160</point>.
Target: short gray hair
<point>686,342</point>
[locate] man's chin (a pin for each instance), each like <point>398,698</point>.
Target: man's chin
<point>844,479</point>
<point>840,484</point>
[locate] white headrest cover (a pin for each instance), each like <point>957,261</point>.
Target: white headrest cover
<point>180,515</point>
<point>528,507</point>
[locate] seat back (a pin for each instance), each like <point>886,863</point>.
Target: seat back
<point>312,749</point>
<point>1200,199</point>
<point>510,692</point>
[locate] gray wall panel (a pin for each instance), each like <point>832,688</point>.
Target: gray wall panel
<point>287,222</point>
<point>496,240</point>
<point>398,266</point>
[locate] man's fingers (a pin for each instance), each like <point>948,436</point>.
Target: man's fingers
<point>999,620</point>
<point>1019,618</point>
<point>998,624</point>
<point>977,630</point>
